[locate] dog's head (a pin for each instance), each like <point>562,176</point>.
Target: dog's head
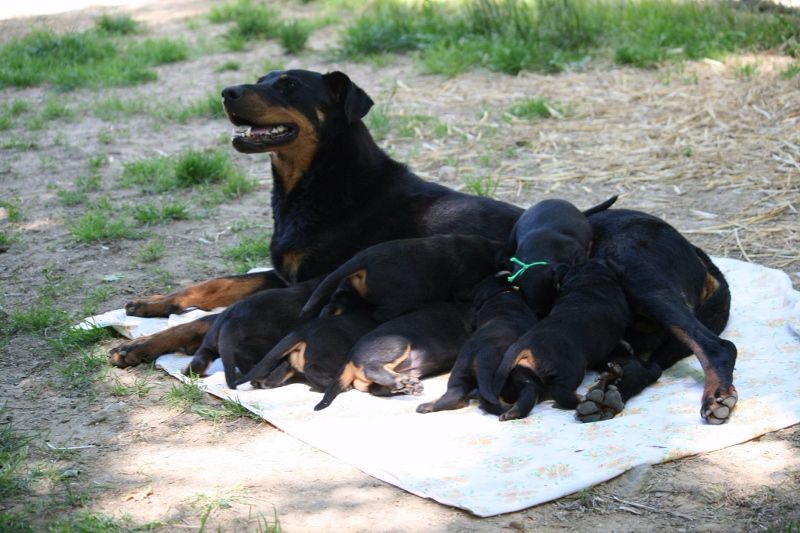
<point>289,111</point>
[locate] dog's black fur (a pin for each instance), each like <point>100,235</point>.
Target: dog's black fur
<point>393,357</point>
<point>245,331</point>
<point>556,234</point>
<point>403,275</point>
<point>335,192</point>
<point>680,302</point>
<point>501,317</point>
<point>585,325</point>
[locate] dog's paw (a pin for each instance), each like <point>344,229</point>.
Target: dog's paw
<point>717,408</point>
<point>425,407</point>
<point>150,306</point>
<point>409,385</point>
<point>600,404</point>
<point>198,366</point>
<point>129,354</point>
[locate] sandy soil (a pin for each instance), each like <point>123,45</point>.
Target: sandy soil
<point>713,152</point>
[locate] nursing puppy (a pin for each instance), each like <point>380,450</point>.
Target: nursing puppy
<point>501,317</point>
<point>246,330</point>
<point>582,330</point>
<point>403,275</point>
<point>393,357</point>
<point>316,350</point>
<point>550,235</point>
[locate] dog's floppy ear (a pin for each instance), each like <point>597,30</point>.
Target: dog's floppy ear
<point>354,101</point>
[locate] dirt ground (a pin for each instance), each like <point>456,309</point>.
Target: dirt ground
<point>713,150</point>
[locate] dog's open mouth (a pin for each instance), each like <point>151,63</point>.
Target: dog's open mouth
<point>252,138</point>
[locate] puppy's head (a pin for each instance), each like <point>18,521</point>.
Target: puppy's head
<point>290,110</point>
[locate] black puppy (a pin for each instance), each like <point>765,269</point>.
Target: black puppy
<point>501,317</point>
<point>681,303</point>
<point>401,276</point>
<point>243,332</point>
<point>316,350</point>
<point>393,357</point>
<point>550,235</point>
<point>583,328</point>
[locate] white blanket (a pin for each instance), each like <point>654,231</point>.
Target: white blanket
<point>469,459</point>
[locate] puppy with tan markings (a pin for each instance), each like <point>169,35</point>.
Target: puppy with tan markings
<point>316,350</point>
<point>393,357</point>
<point>582,330</point>
<point>403,275</point>
<point>550,235</point>
<point>501,317</point>
<point>243,332</point>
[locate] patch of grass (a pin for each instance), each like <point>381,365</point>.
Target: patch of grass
<point>13,210</point>
<point>117,24</point>
<point>5,240</point>
<point>746,72</point>
<point>153,175</point>
<point>82,367</point>
<point>71,198</point>
<point>92,58</point>
<point>379,122</point>
<point>13,454</point>
<point>149,213</point>
<point>293,35</point>
<point>228,410</point>
<point>228,66</point>
<point>152,251</point>
<point>482,185</point>
<point>70,340</point>
<point>237,185</point>
<point>791,71</point>
<point>38,318</point>
<point>549,35</point>
<point>184,395</point>
<point>532,108</point>
<point>203,167</point>
<point>272,64</point>
<point>250,252</point>
<point>93,522</point>
<point>55,109</point>
<point>102,226</point>
<point>89,183</point>
<point>140,387</point>
<point>9,111</point>
<point>113,107</point>
<point>97,161</point>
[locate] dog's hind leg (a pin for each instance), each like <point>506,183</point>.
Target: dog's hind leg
<point>276,377</point>
<point>459,385</point>
<point>527,397</point>
<point>185,338</point>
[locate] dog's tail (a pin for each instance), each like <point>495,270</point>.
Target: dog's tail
<point>328,286</point>
<point>502,374</point>
<point>229,365</point>
<point>285,346</point>
<point>342,382</point>
<point>601,207</point>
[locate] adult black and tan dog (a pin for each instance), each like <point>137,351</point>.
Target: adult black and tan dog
<point>334,192</point>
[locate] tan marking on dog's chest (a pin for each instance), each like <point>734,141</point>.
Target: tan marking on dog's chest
<point>358,280</point>
<point>297,356</point>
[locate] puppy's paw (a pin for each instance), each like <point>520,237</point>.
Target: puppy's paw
<point>717,407</point>
<point>150,306</point>
<point>409,385</point>
<point>600,403</point>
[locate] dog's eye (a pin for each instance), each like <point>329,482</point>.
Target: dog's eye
<point>288,84</point>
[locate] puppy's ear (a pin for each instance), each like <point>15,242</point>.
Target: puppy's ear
<point>353,100</point>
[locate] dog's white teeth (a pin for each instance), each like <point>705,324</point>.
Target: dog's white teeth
<point>242,131</point>
<point>277,129</point>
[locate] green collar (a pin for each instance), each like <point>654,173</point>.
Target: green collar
<point>525,266</point>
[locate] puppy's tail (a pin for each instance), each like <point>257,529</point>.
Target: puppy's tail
<point>601,207</point>
<point>343,382</point>
<point>502,373</point>
<point>328,286</point>
<point>271,359</point>
<point>229,365</point>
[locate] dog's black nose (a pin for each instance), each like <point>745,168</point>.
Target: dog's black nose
<point>232,93</point>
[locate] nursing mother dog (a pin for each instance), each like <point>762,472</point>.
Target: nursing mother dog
<point>334,193</point>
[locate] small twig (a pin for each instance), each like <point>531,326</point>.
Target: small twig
<point>650,508</point>
<point>739,244</point>
<point>61,449</point>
